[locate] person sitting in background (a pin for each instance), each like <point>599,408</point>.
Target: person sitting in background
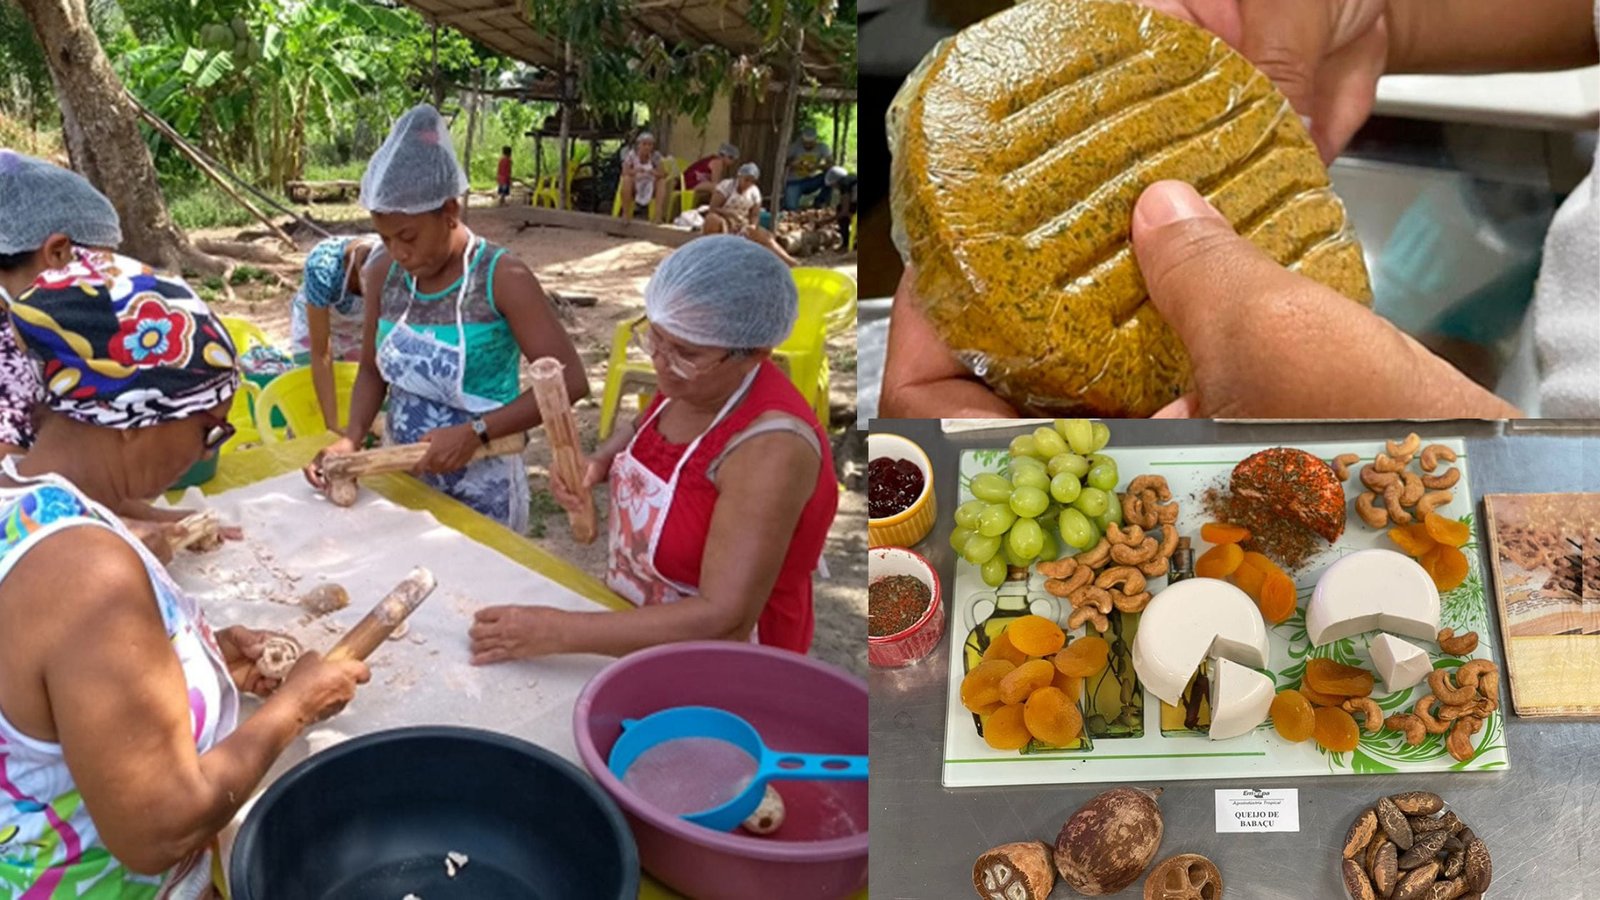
<point>722,493</point>
<point>124,757</point>
<point>325,316</point>
<point>503,175</point>
<point>706,174</point>
<point>736,209</point>
<point>808,158</point>
<point>644,177</point>
<point>839,179</point>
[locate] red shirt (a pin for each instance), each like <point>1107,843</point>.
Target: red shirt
<point>787,620</point>
<point>699,173</point>
<point>505,170</point>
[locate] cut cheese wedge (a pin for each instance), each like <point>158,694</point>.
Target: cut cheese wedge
<point>1189,621</point>
<point>1372,589</point>
<point>1401,664</point>
<point>1240,699</point>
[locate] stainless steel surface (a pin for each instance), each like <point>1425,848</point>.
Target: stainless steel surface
<point>1541,818</point>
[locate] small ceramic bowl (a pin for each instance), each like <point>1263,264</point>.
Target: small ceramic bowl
<point>907,527</point>
<point>912,644</point>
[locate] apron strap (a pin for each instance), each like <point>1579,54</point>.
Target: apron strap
<point>785,422</point>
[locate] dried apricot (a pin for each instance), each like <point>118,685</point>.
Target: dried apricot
<point>1084,657</point>
<point>1292,715</point>
<point>1446,565</point>
<point>1260,562</point>
<point>980,690</point>
<point>1328,677</point>
<point>1446,531</point>
<point>1025,679</point>
<point>1223,533</point>
<point>1052,716</point>
<point>1000,648</point>
<point>1413,540</point>
<point>1036,635</point>
<point>1318,698</point>
<point>1219,562</point>
<point>1249,579</point>
<point>1335,729</point>
<point>1005,728</point>
<point>1277,598</point>
<point>1071,685</point>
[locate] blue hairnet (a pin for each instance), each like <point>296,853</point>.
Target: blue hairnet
<point>723,291</point>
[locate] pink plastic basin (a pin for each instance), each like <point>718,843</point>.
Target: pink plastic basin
<point>797,704</point>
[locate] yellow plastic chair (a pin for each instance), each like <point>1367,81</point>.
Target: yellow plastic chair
<point>244,334</point>
<point>802,355</point>
<point>624,375</point>
<point>852,232</point>
<point>293,395</point>
<point>241,415</point>
<point>836,292</point>
<point>616,202</point>
<point>547,192</point>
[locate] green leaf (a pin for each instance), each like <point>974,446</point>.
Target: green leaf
<point>1362,764</point>
<point>216,68</point>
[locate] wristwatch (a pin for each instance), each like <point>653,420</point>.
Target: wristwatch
<point>481,429</point>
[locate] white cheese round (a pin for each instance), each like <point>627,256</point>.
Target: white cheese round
<point>1188,621</point>
<point>1372,589</point>
<point>1240,699</point>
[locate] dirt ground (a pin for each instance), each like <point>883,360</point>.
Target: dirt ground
<point>615,270</point>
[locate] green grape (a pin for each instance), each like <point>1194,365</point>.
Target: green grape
<point>1112,515</point>
<point>1064,487</point>
<point>1091,502</point>
<point>1051,510</point>
<point>1012,559</point>
<point>967,513</point>
<point>1079,434</point>
<point>980,548</point>
<point>958,538</point>
<point>994,571</point>
<point>991,488</point>
<point>1095,534</point>
<point>1076,530</point>
<point>1103,476</point>
<point>1068,462</point>
<point>1049,443</point>
<point>1023,445</point>
<point>1028,501</point>
<point>995,519</point>
<point>1018,463</point>
<point>1096,459</point>
<point>1025,538</point>
<point>1102,435</point>
<point>1048,550</point>
<point>1031,478</point>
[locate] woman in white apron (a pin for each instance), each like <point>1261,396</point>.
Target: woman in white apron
<point>104,662</point>
<point>722,494</point>
<point>449,319</point>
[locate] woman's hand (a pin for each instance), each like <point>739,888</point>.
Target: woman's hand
<point>502,633</point>
<point>596,469</point>
<point>241,647</point>
<point>154,536</point>
<point>449,449</point>
<point>320,688</point>
<point>313,470</point>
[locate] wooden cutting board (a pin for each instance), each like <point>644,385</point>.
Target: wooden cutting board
<point>1545,555</point>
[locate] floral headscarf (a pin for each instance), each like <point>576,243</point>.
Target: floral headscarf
<point>122,347</point>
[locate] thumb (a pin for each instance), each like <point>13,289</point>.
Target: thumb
<point>1287,41</point>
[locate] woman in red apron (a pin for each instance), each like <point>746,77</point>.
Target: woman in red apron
<point>722,494</point>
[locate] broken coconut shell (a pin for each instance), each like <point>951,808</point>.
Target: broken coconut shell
<point>1020,147</point>
<point>1019,871</point>
<point>1109,842</point>
<point>1187,876</point>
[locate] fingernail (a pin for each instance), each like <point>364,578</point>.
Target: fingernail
<point>1166,202</point>
<point>1306,121</point>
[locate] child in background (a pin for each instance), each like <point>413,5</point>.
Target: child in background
<point>504,177</point>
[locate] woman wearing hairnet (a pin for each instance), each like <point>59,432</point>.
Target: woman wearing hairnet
<point>448,318</point>
<point>722,493</point>
<point>736,209</point>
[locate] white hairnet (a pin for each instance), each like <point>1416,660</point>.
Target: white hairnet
<point>723,291</point>
<point>728,150</point>
<point>415,171</point>
<point>644,136</point>
<point>751,169</point>
<point>38,199</point>
<point>835,175</point>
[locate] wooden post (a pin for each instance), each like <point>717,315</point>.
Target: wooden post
<point>566,107</point>
<point>844,138</point>
<point>786,136</point>
<point>566,454</point>
<point>835,144</point>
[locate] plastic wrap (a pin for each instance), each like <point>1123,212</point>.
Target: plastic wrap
<point>1019,149</point>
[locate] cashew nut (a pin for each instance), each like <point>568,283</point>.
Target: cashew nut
<point>1431,501</point>
<point>1423,711</point>
<point>1131,603</point>
<point>1457,645</point>
<point>1091,615</point>
<point>1444,479</point>
<point>1452,694</point>
<point>1169,541</point>
<point>1132,582</point>
<point>1124,534</point>
<point>1132,508</point>
<point>1065,587</point>
<point>1459,743</point>
<point>1167,515</point>
<point>1412,726</point>
<point>1489,687</point>
<point>1376,480</point>
<point>1124,555</point>
<point>1372,515</point>
<point>1387,464</point>
<point>1092,597</point>
<point>1432,453</point>
<point>1058,568</point>
<point>1473,671</point>
<point>1156,483</point>
<point>1342,464</point>
<point>1397,510</point>
<point>1155,568</point>
<point>1478,707</point>
<point>1406,447</point>
<point>1095,556</point>
<point>1411,491</point>
<point>1371,713</point>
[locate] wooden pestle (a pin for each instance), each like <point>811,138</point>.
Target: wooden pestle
<point>341,471</point>
<point>566,454</point>
<point>199,528</point>
<point>370,633</point>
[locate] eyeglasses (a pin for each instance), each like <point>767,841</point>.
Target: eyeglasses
<point>648,343</point>
<point>217,432</point>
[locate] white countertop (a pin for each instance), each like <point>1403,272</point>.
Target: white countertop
<point>1562,101</point>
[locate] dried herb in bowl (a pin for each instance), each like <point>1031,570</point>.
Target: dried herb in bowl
<point>895,603</point>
